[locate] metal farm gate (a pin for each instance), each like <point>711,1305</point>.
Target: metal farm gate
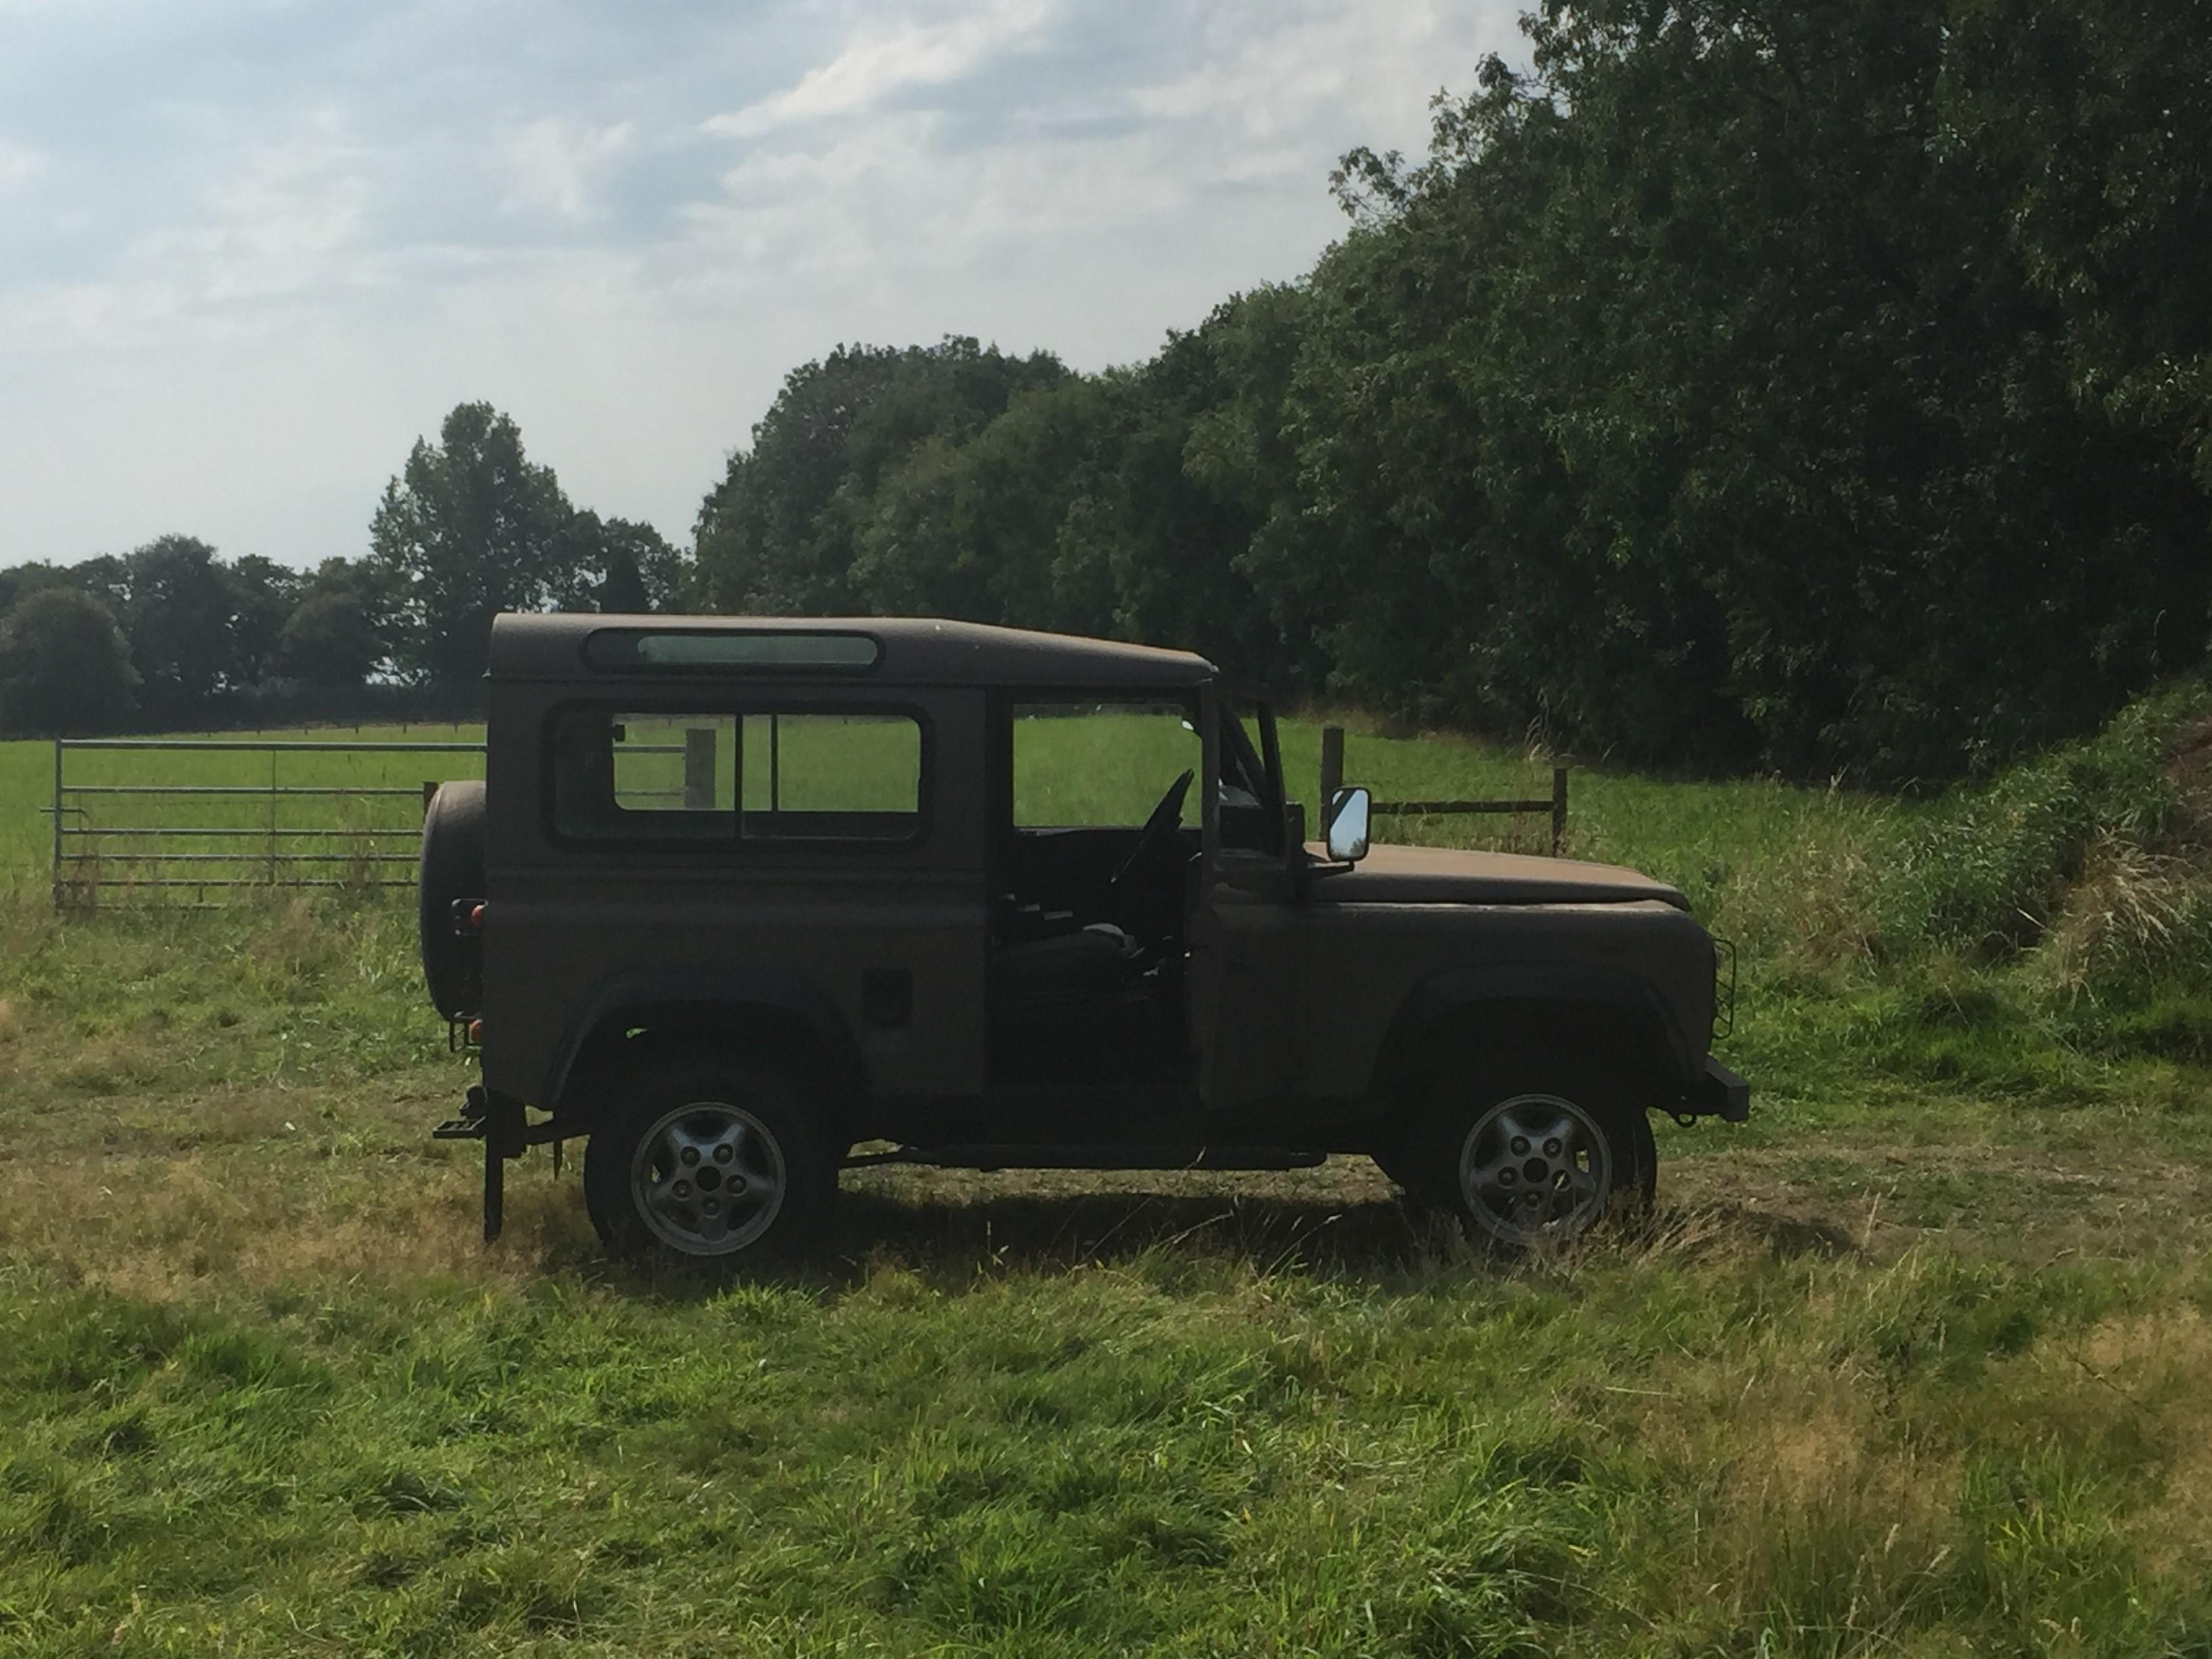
<point>193,821</point>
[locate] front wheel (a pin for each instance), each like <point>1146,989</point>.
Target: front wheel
<point>1531,1167</point>
<point>709,1159</point>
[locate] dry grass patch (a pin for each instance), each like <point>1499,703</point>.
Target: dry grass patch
<point>2150,1368</point>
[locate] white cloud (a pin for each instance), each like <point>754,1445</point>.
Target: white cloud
<point>880,60</point>
<point>280,228</point>
<point>1269,67</point>
<point>1200,171</point>
<point>19,165</point>
<point>287,224</point>
<point>559,164</point>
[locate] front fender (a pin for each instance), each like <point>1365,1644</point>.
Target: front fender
<point>1583,1004</point>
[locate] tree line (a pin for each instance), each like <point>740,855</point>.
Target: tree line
<point>1738,386</point>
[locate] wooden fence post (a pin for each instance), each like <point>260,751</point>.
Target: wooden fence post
<point>1332,768</point>
<point>1558,808</point>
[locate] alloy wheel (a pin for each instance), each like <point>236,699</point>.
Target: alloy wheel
<point>1536,1170</point>
<point>708,1178</point>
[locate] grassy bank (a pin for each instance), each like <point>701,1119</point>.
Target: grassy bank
<point>1909,1365</point>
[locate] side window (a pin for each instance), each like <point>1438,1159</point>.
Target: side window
<point>1101,763</point>
<point>843,777</point>
<point>674,763</point>
<point>619,775</point>
<point>681,778</point>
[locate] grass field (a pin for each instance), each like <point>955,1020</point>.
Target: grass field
<point>1912,1364</point>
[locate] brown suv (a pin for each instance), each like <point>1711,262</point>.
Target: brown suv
<point>738,895</point>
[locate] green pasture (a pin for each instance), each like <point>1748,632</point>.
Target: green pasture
<point>1718,842</point>
<point>1912,1364</point>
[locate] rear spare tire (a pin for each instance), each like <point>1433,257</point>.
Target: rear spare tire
<point>453,871</point>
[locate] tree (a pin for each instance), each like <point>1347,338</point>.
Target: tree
<point>64,666</point>
<point>263,594</point>
<point>780,533</point>
<point>1699,396</point>
<point>1808,388</point>
<point>973,529</point>
<point>180,612</point>
<point>469,528</point>
<point>617,565</point>
<point>19,579</point>
<point>329,639</point>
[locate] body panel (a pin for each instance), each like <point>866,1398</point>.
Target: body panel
<point>1439,875</point>
<point>1369,964</point>
<point>565,921</point>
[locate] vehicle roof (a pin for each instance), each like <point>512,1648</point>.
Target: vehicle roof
<point>915,651</point>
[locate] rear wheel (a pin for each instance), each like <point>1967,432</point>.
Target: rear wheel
<point>1536,1163</point>
<point>709,1158</point>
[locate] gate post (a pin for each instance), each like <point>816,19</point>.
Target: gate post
<point>699,769</point>
<point>57,824</point>
<point>1558,808</point>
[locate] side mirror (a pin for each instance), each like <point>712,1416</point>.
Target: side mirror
<point>1347,825</point>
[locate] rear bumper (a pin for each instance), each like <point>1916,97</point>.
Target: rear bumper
<point>1720,1093</point>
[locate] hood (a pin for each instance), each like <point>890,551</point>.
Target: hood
<point>1439,875</point>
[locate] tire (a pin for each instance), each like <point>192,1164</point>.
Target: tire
<point>1535,1160</point>
<point>453,869</point>
<point>710,1159</point>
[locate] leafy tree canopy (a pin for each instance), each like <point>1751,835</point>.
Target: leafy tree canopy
<point>781,533</point>
<point>471,527</point>
<point>64,666</point>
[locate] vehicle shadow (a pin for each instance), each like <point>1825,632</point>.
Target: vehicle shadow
<point>1380,1244</point>
<point>1053,1232</point>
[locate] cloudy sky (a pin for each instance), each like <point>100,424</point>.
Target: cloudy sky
<point>250,249</point>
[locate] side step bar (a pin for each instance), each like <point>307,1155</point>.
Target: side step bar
<point>1159,1157</point>
<point>504,1127</point>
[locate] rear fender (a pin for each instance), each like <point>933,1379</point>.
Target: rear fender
<point>748,1010</point>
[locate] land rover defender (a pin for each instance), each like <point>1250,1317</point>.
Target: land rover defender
<point>738,897</point>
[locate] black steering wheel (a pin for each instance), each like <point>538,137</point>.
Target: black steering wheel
<point>1159,829</point>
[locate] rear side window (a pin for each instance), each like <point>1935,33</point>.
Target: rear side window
<point>683,778</point>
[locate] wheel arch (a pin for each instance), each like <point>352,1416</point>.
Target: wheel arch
<point>637,1017</point>
<point>1506,1014</point>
